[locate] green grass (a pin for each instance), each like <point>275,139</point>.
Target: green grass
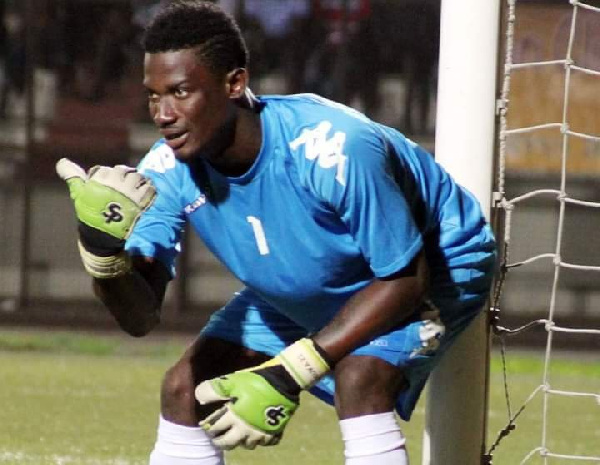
<point>83,399</point>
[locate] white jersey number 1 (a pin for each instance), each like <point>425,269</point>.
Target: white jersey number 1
<point>259,235</point>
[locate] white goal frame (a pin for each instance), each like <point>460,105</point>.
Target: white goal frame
<point>456,416</point>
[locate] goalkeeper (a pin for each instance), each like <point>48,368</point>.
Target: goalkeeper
<point>361,259</point>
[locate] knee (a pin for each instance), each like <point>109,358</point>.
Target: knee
<point>354,378</point>
<point>366,386</point>
<point>178,384</point>
<point>368,374</point>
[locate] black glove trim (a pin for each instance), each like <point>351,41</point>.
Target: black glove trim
<point>281,380</point>
<point>98,242</point>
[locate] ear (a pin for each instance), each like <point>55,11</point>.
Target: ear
<point>237,82</point>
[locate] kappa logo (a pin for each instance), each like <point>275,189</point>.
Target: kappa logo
<point>113,215</point>
<point>379,343</point>
<point>327,151</point>
<point>195,205</point>
<point>275,415</point>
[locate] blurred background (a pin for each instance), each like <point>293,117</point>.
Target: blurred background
<point>70,85</point>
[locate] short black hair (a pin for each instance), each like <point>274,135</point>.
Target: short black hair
<point>199,25</point>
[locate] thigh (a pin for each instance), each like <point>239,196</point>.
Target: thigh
<point>397,364</point>
<point>210,357</point>
<point>366,385</point>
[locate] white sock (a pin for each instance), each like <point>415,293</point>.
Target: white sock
<point>184,445</point>
<point>373,440</point>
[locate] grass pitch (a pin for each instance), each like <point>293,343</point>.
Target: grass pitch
<point>72,398</point>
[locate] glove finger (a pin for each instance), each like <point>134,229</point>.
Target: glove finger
<point>271,440</point>
<point>228,431</point>
<point>253,440</point>
<point>116,173</point>
<point>74,175</point>
<point>139,188</point>
<point>224,432</point>
<point>206,392</point>
<point>127,181</point>
<point>125,168</point>
<point>66,170</point>
<point>211,423</point>
<point>261,440</point>
<point>230,440</point>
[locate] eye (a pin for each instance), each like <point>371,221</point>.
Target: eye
<point>181,93</point>
<point>152,97</point>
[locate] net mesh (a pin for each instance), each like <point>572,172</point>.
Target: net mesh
<point>575,71</point>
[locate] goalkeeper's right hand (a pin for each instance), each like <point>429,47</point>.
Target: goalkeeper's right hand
<point>260,401</point>
<point>108,202</point>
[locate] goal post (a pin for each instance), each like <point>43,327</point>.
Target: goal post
<point>456,414</point>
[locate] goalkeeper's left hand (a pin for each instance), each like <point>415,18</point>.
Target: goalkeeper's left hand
<point>260,401</point>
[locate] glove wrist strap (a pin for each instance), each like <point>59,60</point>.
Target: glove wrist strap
<point>99,242</point>
<point>105,267</point>
<point>304,363</point>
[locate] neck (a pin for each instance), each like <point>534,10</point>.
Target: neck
<point>237,158</point>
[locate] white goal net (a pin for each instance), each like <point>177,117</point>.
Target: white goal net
<point>548,165</point>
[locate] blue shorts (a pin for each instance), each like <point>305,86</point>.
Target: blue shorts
<point>415,347</point>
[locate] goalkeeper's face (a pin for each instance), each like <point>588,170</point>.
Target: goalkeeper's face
<point>192,107</point>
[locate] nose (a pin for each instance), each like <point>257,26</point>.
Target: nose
<point>163,112</point>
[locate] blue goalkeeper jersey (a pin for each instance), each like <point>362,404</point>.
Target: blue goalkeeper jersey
<point>332,201</point>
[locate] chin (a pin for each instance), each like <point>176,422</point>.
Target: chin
<point>181,155</point>
<point>184,153</point>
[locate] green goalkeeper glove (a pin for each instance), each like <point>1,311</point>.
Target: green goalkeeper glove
<point>260,401</point>
<point>108,202</point>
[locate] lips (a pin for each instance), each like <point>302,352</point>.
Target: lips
<point>175,140</point>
